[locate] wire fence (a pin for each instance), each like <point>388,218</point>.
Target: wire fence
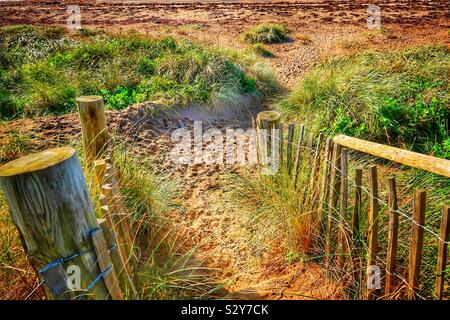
<point>314,161</point>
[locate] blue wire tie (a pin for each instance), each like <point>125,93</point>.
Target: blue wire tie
<point>101,275</point>
<point>60,261</point>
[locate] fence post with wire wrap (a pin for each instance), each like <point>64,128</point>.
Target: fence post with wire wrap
<point>98,150</point>
<point>52,209</point>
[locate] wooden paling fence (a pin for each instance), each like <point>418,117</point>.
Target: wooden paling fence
<point>75,254</point>
<point>324,189</point>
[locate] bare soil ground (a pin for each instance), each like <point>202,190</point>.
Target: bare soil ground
<point>319,29</point>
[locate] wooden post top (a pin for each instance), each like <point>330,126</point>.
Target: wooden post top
<point>89,99</point>
<point>269,115</point>
<point>36,161</point>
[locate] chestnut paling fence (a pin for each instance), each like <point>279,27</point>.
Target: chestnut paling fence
<point>371,239</point>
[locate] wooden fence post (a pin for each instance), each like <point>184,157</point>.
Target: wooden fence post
<point>298,152</point>
<point>325,176</point>
<point>50,205</point>
<point>104,261</point>
<point>374,209</point>
<point>357,205</point>
<point>314,189</point>
<point>93,126</point>
<point>343,235</point>
<point>442,252</point>
<point>333,198</point>
<point>281,137</point>
<point>416,243</point>
<point>392,236</point>
<point>290,139</point>
<point>118,260</point>
<point>272,118</point>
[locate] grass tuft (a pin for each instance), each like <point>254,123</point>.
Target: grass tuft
<point>266,33</point>
<point>261,50</point>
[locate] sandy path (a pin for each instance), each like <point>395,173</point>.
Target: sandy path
<point>221,233</point>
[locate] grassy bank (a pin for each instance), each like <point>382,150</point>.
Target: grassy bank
<point>42,70</point>
<point>400,98</point>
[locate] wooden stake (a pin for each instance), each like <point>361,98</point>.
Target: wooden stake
<point>392,236</point>
<point>118,219</point>
<point>327,158</point>
<point>416,243</point>
<point>272,117</point>
<point>117,259</point>
<point>314,193</point>
<point>298,152</point>
<point>357,205</point>
<point>99,171</point>
<point>281,137</point>
<point>373,224</point>
<point>342,235</point>
<point>93,126</point>
<point>290,137</point>
<point>104,261</point>
<point>357,263</point>
<point>334,196</point>
<point>442,252</point>
<point>51,207</point>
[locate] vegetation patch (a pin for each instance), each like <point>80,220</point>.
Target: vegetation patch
<point>42,70</point>
<point>266,33</point>
<point>400,98</point>
<point>261,50</point>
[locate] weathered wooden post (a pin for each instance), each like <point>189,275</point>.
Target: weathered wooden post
<point>93,126</point>
<point>52,209</point>
<point>372,236</point>
<point>416,243</point>
<point>266,120</point>
<point>342,248</point>
<point>442,252</point>
<point>335,186</point>
<point>272,117</point>
<point>392,236</point>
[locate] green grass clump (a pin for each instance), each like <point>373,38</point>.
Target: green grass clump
<point>261,50</point>
<point>400,98</point>
<point>266,33</point>
<point>42,70</point>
